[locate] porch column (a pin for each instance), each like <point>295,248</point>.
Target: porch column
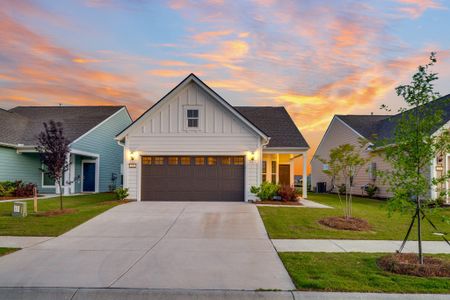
<point>66,176</point>
<point>277,173</point>
<point>291,170</point>
<point>305,175</point>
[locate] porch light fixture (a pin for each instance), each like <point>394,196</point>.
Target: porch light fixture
<point>252,156</point>
<point>132,155</point>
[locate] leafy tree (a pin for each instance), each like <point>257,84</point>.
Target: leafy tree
<point>415,143</point>
<point>344,163</point>
<point>53,148</point>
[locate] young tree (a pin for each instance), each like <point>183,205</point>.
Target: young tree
<point>53,148</point>
<point>414,145</point>
<point>344,163</point>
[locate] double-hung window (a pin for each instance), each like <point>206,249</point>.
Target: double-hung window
<point>192,118</point>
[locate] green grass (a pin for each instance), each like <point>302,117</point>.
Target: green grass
<point>4,251</point>
<point>302,223</point>
<point>354,272</point>
<point>87,206</point>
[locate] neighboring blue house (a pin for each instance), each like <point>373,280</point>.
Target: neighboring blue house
<point>95,157</point>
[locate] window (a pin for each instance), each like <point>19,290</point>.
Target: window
<point>211,161</point>
<point>372,170</point>
<point>199,161</point>
<point>192,118</point>
<point>226,160</point>
<point>185,160</point>
<point>159,160</point>
<point>264,170</point>
<point>173,160</point>
<point>238,160</point>
<point>274,171</point>
<point>325,167</point>
<point>146,160</point>
<point>46,180</point>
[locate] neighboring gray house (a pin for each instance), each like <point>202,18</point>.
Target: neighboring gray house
<point>348,129</point>
<point>95,157</point>
<point>193,145</point>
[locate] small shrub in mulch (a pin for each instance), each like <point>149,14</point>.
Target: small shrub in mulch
<point>57,212</point>
<point>408,264</point>
<point>343,223</point>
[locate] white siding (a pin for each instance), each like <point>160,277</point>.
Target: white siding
<point>163,132</point>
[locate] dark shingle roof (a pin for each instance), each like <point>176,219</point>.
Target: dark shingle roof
<point>22,124</point>
<point>382,127</point>
<point>276,123</point>
<point>365,125</point>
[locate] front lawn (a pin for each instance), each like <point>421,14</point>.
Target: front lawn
<point>86,206</point>
<point>303,223</point>
<point>354,272</point>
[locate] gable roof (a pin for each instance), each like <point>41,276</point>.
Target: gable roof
<point>192,78</point>
<point>382,127</point>
<point>278,125</point>
<point>22,124</point>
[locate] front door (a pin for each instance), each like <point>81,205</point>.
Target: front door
<point>284,177</point>
<point>88,177</point>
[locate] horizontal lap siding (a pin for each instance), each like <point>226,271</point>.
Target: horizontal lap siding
<point>101,141</point>
<point>25,167</point>
<point>339,134</point>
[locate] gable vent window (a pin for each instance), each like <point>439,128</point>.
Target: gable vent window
<point>192,118</point>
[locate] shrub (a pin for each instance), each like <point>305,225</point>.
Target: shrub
<point>371,189</point>
<point>24,189</point>
<point>7,188</point>
<point>288,193</point>
<point>342,189</point>
<point>121,193</point>
<point>266,191</point>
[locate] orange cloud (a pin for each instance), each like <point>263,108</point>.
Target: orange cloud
<point>415,8</point>
<point>207,36</point>
<point>168,73</point>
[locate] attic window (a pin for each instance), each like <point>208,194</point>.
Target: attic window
<point>192,118</point>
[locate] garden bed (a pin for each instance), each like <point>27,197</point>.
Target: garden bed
<point>274,202</point>
<point>18,198</point>
<point>408,264</point>
<point>342,223</point>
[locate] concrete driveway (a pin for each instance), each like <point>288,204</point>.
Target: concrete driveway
<point>180,245</point>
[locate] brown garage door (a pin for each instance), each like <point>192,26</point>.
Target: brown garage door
<point>192,178</point>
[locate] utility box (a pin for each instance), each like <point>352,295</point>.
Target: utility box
<point>20,209</point>
<point>321,187</point>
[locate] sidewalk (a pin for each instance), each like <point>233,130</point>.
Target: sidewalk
<point>369,246</point>
<point>22,241</point>
<point>141,294</point>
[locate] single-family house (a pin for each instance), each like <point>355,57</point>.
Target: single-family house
<point>349,129</point>
<point>192,145</point>
<point>95,157</point>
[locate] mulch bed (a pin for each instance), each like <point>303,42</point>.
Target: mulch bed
<point>12,198</point>
<point>279,202</point>
<point>408,264</point>
<point>57,212</point>
<point>353,224</point>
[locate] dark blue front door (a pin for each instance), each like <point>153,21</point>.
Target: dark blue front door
<point>89,177</point>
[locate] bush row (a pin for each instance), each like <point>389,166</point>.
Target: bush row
<point>272,191</point>
<point>16,189</point>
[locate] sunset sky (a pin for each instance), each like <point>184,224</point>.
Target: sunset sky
<point>316,58</point>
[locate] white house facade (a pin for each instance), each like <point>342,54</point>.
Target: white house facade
<point>192,145</point>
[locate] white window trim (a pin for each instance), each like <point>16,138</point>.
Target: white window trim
<point>42,180</point>
<point>185,117</point>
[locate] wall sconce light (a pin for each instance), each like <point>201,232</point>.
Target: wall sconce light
<point>252,156</point>
<point>132,155</point>
<point>440,158</point>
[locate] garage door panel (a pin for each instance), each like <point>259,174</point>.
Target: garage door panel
<point>192,179</point>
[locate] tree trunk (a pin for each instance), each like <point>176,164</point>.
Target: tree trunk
<point>419,231</point>
<point>60,196</point>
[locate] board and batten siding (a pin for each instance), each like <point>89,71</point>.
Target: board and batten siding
<point>21,166</point>
<point>101,141</point>
<point>163,132</point>
<point>337,134</point>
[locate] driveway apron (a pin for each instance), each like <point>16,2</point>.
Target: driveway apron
<point>168,245</point>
